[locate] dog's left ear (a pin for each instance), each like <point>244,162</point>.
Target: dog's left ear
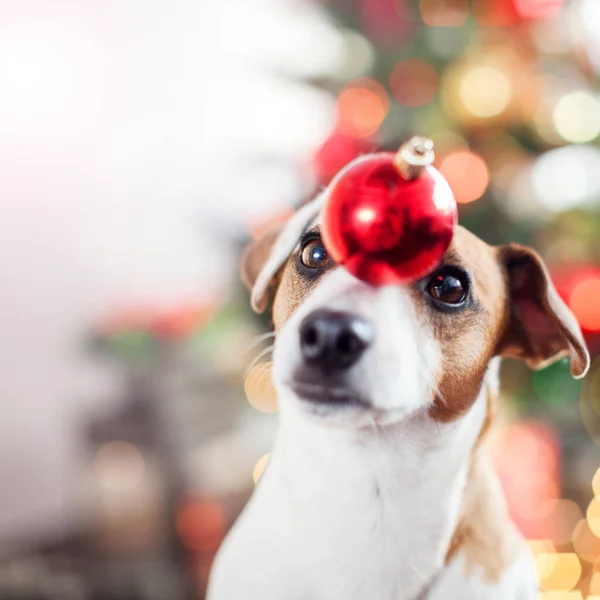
<point>540,327</point>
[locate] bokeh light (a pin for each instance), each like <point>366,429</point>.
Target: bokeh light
<point>200,524</point>
<point>444,13</point>
<point>558,572</point>
<point>585,303</point>
<point>567,177</point>
<point>467,175</point>
<point>560,518</point>
<point>585,543</point>
<point>413,82</point>
<point>119,466</point>
<point>485,92</point>
<point>259,388</point>
<point>362,106</point>
<point>593,516</point>
<point>336,152</point>
<point>260,467</point>
<point>576,117</point>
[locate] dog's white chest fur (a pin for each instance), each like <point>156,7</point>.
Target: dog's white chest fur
<point>341,516</point>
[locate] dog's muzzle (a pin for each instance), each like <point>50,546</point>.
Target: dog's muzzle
<point>333,341</point>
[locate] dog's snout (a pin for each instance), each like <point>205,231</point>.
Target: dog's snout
<point>334,340</point>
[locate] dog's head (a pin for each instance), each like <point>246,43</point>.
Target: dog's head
<point>347,352</point>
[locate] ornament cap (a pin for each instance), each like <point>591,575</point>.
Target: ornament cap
<point>414,156</point>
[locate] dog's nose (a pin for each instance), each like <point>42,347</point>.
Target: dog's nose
<point>334,340</point>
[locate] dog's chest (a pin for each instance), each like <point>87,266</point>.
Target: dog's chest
<point>359,529</point>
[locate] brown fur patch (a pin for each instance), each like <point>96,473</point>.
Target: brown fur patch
<point>468,338</point>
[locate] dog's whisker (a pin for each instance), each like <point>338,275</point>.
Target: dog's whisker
<point>257,358</point>
<point>259,339</point>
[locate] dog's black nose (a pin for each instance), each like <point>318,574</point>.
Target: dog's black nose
<point>334,340</point>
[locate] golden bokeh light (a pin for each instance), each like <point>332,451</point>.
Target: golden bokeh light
<point>362,105</point>
<point>413,82</point>
<point>593,516</point>
<point>259,388</point>
<point>572,595</point>
<point>485,92</point>
<point>585,543</point>
<point>444,13</point>
<point>594,585</point>
<point>596,479</point>
<point>119,466</point>
<point>584,303</point>
<point>558,572</point>
<point>562,516</point>
<point>467,175</point>
<point>576,117</point>
<point>259,467</point>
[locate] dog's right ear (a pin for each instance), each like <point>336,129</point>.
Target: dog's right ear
<point>263,259</point>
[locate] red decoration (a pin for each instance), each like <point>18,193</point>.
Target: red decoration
<point>390,218</point>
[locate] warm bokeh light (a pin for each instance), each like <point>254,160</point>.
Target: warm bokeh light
<point>585,543</point>
<point>572,595</point>
<point>596,480</point>
<point>444,13</point>
<point>362,106</point>
<point>413,82</point>
<point>576,117</point>
<point>119,466</point>
<point>485,92</point>
<point>558,572</point>
<point>260,466</point>
<point>467,175</point>
<point>200,524</point>
<point>585,303</point>
<point>259,388</point>
<point>560,517</point>
<point>593,516</point>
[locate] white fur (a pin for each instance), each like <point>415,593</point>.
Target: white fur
<point>360,503</point>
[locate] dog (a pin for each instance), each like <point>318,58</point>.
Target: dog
<point>378,486</point>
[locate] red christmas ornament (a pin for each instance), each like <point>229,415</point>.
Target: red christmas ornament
<point>390,218</point>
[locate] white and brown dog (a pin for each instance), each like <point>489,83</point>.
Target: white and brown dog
<point>378,487</point>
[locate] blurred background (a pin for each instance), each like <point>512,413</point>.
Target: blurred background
<point>143,144</point>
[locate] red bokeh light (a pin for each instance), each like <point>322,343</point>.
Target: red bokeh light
<point>413,82</point>
<point>336,152</point>
<point>200,524</point>
<point>584,302</point>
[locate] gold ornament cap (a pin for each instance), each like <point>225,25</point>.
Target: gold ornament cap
<point>414,156</point>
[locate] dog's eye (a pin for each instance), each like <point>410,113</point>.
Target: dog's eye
<point>314,255</point>
<point>447,288</point>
